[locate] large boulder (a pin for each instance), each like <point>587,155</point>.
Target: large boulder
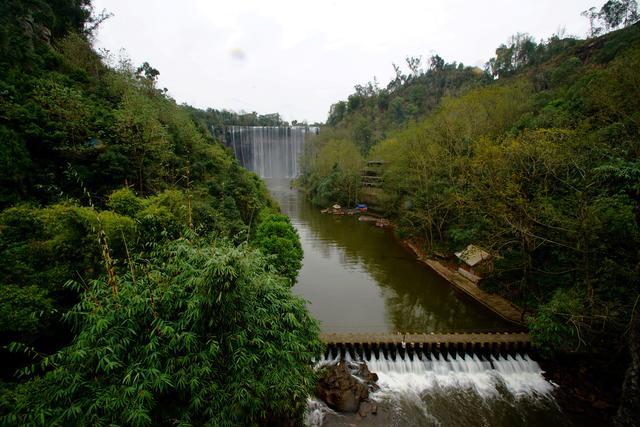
<point>370,378</point>
<point>342,391</point>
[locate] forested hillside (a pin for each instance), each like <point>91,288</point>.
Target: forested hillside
<point>136,255</point>
<point>534,159</point>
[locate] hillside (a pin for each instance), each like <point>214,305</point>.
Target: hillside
<point>536,161</point>
<point>135,251</point>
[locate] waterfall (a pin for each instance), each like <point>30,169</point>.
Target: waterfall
<point>420,372</point>
<point>417,386</point>
<point>269,151</point>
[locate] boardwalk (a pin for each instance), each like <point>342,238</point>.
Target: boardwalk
<point>493,302</point>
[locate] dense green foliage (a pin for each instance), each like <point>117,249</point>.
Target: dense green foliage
<point>41,249</point>
<point>199,334</point>
<point>174,314</point>
<point>538,164</point>
<point>218,121</point>
<point>331,166</point>
<point>371,112</point>
<point>277,237</point>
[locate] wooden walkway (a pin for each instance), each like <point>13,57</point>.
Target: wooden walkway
<point>499,305</point>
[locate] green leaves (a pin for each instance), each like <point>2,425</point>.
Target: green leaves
<point>332,169</point>
<point>165,349</point>
<point>556,326</point>
<point>160,349</point>
<point>277,237</point>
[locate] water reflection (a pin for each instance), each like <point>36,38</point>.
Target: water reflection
<point>358,278</point>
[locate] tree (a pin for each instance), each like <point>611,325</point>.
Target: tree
<point>519,52</point>
<point>363,135</point>
<point>336,113</point>
<point>613,14</point>
<point>436,63</point>
<point>277,237</point>
<point>415,65</point>
<point>197,334</point>
<point>148,72</point>
<point>144,138</point>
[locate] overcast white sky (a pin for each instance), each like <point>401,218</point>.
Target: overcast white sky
<point>298,57</point>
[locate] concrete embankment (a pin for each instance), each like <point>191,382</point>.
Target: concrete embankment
<point>499,305</point>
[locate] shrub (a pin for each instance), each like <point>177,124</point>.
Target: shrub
<point>277,237</point>
<point>554,327</point>
<point>125,202</point>
<point>203,336</point>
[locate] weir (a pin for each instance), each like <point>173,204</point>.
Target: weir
<point>515,341</point>
<point>420,353</point>
<point>269,151</point>
<point>417,369</point>
<point>445,379</point>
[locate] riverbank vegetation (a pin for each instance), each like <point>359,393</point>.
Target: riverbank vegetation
<point>534,158</point>
<point>217,122</point>
<point>139,282</point>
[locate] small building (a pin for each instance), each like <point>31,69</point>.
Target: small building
<point>475,262</point>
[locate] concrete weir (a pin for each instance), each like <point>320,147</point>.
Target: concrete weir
<point>517,341</point>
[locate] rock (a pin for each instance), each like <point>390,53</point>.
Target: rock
<point>367,408</point>
<point>340,390</point>
<point>345,401</point>
<point>382,223</point>
<point>370,378</point>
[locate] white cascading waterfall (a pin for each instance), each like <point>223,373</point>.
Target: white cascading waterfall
<point>422,372</point>
<point>269,151</point>
<point>420,388</point>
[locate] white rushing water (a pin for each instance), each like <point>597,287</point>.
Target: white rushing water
<point>269,151</point>
<point>451,390</point>
<point>519,374</point>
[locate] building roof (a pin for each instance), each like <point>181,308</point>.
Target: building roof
<point>473,255</point>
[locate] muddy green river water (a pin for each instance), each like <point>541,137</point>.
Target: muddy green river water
<point>358,278</point>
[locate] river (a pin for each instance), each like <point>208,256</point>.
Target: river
<point>358,278</point>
